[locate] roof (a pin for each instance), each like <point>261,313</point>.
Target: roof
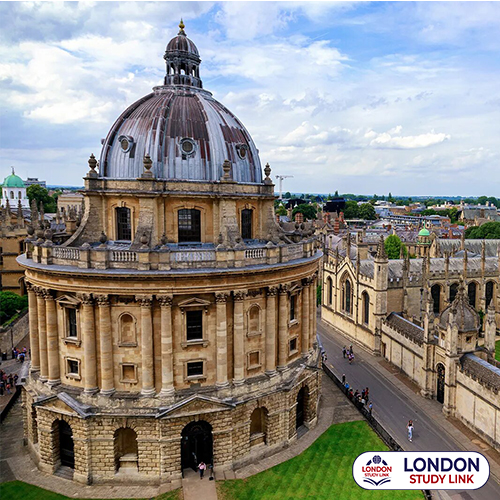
<point>424,232</point>
<point>480,369</point>
<point>474,246</point>
<point>406,327</point>
<point>13,181</point>
<point>464,315</point>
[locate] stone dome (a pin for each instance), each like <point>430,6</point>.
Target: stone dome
<point>465,317</point>
<point>186,132</point>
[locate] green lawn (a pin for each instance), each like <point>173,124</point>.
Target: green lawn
<point>497,350</point>
<point>322,472</point>
<point>17,490</point>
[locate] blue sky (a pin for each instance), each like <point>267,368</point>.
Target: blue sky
<point>364,97</point>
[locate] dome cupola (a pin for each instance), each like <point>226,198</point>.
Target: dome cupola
<point>183,61</point>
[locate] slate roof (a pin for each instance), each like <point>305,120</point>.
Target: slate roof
<point>484,372</point>
<point>473,246</point>
<point>406,328</point>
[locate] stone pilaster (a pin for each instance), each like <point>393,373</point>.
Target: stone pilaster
<point>148,383</point>
<point>221,299</point>
<point>306,292</point>
<point>283,327</point>
<point>167,356</point>
<point>33,319</point>
<point>239,338</point>
<point>106,346</point>
<point>42,332</point>
<point>312,307</point>
<point>271,331</point>
<point>52,339</point>
<point>89,347</point>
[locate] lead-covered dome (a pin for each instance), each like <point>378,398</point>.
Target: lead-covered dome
<point>186,132</point>
<point>464,315</point>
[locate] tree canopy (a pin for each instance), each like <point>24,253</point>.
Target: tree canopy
<point>309,211</point>
<point>11,304</point>
<point>393,246</point>
<point>41,194</point>
<point>489,230</point>
<point>367,212</point>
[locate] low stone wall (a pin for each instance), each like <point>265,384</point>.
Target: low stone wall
<point>13,334</point>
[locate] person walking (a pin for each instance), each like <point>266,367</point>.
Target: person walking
<point>410,430</point>
<point>202,468</point>
<point>370,408</point>
<point>344,351</point>
<point>343,379</point>
<point>350,350</point>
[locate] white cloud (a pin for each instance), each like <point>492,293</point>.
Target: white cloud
<point>394,139</point>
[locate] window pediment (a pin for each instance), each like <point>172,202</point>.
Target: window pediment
<point>68,300</point>
<point>194,302</point>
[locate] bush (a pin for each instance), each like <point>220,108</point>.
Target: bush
<point>11,304</point>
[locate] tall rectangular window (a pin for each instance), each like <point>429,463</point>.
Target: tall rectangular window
<point>123,226</point>
<point>189,225</point>
<point>293,304</point>
<point>194,325</point>
<point>72,330</point>
<point>246,224</point>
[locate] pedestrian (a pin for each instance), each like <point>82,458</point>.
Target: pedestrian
<point>202,468</point>
<point>350,349</point>
<point>343,379</point>
<point>16,378</point>
<point>344,351</point>
<point>347,386</point>
<point>363,393</point>
<point>8,389</point>
<point>324,356</point>
<point>410,430</point>
<point>367,391</point>
<point>370,408</point>
<point>363,401</point>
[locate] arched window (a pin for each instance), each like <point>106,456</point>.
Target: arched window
<point>19,195</point>
<point>12,195</point>
<point>329,283</point>
<point>189,225</point>
<point>126,450</point>
<point>246,224</point>
<point>436,298</point>
<point>123,225</point>
<point>471,292</point>
<point>490,289</point>
<point>366,308</point>
<point>254,319</point>
<point>258,426</point>
<point>453,292</point>
<point>347,296</point>
<point>127,330</point>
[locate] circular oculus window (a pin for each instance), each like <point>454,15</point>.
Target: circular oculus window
<point>126,142</point>
<point>188,146</point>
<point>242,150</point>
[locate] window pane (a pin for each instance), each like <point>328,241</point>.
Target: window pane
<point>123,227</point>
<point>246,224</point>
<point>189,225</point>
<point>72,366</point>
<point>194,325</point>
<point>195,368</point>
<point>72,330</point>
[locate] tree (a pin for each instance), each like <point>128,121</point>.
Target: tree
<point>336,195</point>
<point>309,211</point>
<point>393,246</point>
<point>489,230</point>
<point>11,304</point>
<point>281,210</point>
<point>288,195</point>
<point>351,210</point>
<point>367,212</point>
<point>41,194</point>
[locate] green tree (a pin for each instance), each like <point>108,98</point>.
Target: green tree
<point>489,230</point>
<point>11,304</point>
<point>367,212</point>
<point>351,210</point>
<point>41,194</point>
<point>288,195</point>
<point>309,211</point>
<point>336,195</point>
<point>393,246</point>
<point>281,210</point>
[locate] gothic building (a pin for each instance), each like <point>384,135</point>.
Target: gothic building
<point>177,323</point>
<point>424,316</point>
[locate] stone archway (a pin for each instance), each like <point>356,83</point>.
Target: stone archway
<point>440,369</point>
<point>66,445</point>
<point>196,444</point>
<point>300,409</point>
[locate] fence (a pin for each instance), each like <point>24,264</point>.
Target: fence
<point>374,423</point>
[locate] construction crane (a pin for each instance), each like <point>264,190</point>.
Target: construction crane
<point>281,177</point>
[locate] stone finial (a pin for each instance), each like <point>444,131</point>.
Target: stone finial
<point>144,240</point>
<point>226,167</point>
<point>30,230</point>
<point>267,172</point>
<point>42,211</point>
<point>181,28</point>
<point>103,238</point>
<point>381,253</point>
<point>148,164</point>
<point>163,239</point>
<point>7,209</point>
<point>92,165</point>
<point>48,235</point>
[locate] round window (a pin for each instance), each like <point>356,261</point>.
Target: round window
<point>242,150</point>
<point>188,146</point>
<point>125,142</point>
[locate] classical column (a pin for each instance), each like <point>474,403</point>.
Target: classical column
<point>272,291</point>
<point>89,347</point>
<point>106,346</point>
<point>306,291</point>
<point>52,339</point>
<point>148,383</point>
<point>283,327</point>
<point>221,318</point>
<point>167,356</point>
<point>42,332</point>
<point>312,308</point>
<point>33,318</point>
<point>239,338</point>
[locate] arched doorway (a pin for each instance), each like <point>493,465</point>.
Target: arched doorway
<point>66,445</point>
<point>300,408</point>
<point>196,444</point>
<point>440,383</point>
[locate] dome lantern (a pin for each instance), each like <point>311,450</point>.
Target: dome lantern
<point>183,61</point>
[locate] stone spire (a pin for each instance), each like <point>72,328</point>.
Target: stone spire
<point>381,253</point>
<point>490,329</point>
<point>20,216</point>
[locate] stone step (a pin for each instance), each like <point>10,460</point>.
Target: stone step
<point>64,473</point>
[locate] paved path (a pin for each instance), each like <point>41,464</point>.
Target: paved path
<point>396,400</point>
<point>194,488</point>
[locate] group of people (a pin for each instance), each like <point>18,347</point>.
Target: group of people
<point>7,383</point>
<point>19,354</point>
<point>348,353</point>
<point>362,397</point>
<point>202,467</point>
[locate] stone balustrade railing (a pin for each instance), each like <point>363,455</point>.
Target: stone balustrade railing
<point>169,257</point>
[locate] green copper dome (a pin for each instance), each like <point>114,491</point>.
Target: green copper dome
<point>424,232</point>
<point>13,181</point>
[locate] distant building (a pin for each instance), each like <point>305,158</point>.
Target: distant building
<point>68,200</point>
<point>13,191</point>
<point>34,180</point>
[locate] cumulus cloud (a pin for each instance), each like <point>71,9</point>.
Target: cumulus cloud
<point>393,139</point>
